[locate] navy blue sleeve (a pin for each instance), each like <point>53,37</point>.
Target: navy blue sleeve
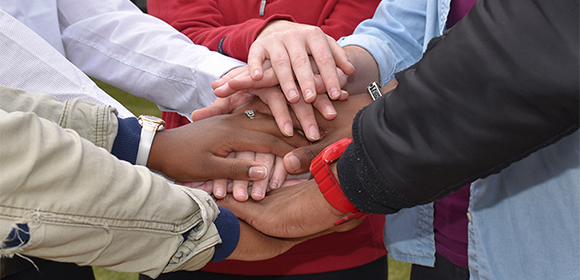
<point>126,143</point>
<point>228,227</point>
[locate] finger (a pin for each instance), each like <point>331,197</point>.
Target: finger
<point>340,57</point>
<point>219,107</point>
<point>220,188</point>
<point>278,174</point>
<point>298,161</point>
<point>324,60</point>
<point>242,70</point>
<point>260,187</point>
<point>220,185</point>
<point>300,61</point>
<point>282,65</point>
<point>325,107</point>
<point>240,187</point>
<point>278,106</point>
<point>256,57</point>
<point>305,115</point>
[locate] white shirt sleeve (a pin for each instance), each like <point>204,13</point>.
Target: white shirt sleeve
<point>32,64</point>
<point>113,41</point>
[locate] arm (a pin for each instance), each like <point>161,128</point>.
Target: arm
<point>116,43</point>
<point>67,172</point>
<point>52,176</point>
<point>476,103</point>
<point>472,106</point>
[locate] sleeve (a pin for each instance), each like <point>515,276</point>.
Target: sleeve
<point>342,18</point>
<point>204,23</point>
<point>113,41</point>
<point>50,178</point>
<point>498,86</point>
<point>396,35</point>
<point>96,123</point>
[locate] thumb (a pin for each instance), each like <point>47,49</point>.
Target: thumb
<point>298,160</point>
<point>236,169</point>
<point>206,112</point>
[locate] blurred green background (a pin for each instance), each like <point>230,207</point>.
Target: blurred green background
<point>397,270</point>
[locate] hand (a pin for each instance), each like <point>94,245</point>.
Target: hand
<point>296,211</point>
<point>288,45</point>
<point>198,151</point>
<point>239,79</point>
<point>279,178</point>
<point>278,107</point>
<point>298,161</point>
<point>255,246</point>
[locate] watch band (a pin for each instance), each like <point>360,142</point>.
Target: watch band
<point>149,126</point>
<point>374,90</point>
<point>329,185</point>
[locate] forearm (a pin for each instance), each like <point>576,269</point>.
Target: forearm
<point>53,177</point>
<point>475,104</point>
<point>96,123</point>
<point>118,44</point>
<point>366,70</point>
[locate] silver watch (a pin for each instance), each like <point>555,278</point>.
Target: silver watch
<point>149,126</point>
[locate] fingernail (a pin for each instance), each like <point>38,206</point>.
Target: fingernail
<point>309,95</point>
<point>293,162</point>
<point>257,195</point>
<point>288,129</point>
<point>219,193</point>
<point>313,133</point>
<point>193,114</point>
<point>292,95</point>
<point>274,184</point>
<point>257,172</point>
<point>256,72</point>
<point>241,195</point>
<point>329,110</point>
<point>334,93</point>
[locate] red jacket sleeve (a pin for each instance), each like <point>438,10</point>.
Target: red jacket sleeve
<point>341,18</point>
<point>205,23</point>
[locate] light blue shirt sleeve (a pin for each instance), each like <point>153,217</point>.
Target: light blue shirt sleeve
<point>398,33</point>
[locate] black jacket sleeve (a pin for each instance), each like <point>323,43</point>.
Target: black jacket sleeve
<point>498,86</point>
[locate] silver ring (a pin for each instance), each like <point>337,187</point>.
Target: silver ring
<point>250,114</point>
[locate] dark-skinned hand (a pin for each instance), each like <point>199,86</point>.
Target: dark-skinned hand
<point>198,151</point>
<point>295,211</point>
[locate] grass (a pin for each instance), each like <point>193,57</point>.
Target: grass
<point>397,270</point>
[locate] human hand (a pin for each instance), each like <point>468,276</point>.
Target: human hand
<point>288,45</point>
<point>298,161</point>
<point>278,178</point>
<point>198,151</point>
<point>254,245</point>
<point>276,106</point>
<point>239,79</point>
<point>295,211</point>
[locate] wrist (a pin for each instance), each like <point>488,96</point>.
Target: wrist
<point>325,175</point>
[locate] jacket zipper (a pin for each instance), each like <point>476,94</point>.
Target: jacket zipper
<point>262,7</point>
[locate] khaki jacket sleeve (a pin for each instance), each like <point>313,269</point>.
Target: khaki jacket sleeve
<point>80,204</point>
<point>96,123</point>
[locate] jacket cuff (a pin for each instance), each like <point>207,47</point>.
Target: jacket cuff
<point>361,182</point>
<point>126,143</point>
<point>228,227</point>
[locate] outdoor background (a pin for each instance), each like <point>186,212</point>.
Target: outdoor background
<point>397,270</point>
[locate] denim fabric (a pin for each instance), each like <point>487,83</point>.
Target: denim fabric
<point>521,218</point>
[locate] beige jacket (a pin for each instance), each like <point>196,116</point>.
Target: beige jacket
<point>85,206</point>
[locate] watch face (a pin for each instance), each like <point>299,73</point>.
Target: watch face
<point>146,120</point>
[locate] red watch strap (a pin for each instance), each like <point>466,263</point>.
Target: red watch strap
<point>329,185</point>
